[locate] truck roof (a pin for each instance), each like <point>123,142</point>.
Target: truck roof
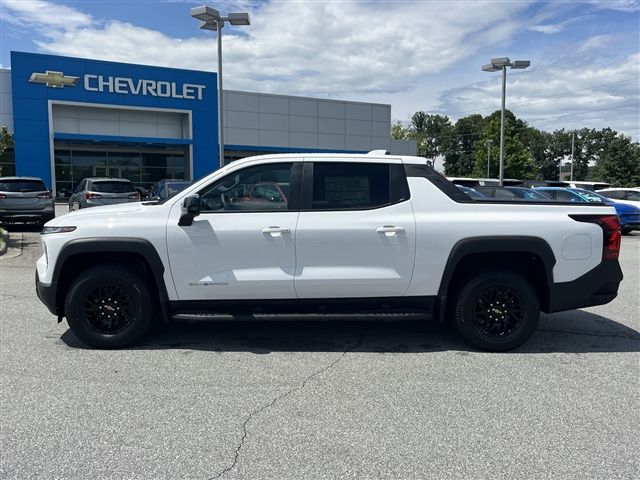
<point>373,156</point>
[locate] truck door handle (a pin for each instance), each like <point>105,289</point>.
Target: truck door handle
<point>390,230</point>
<point>275,231</point>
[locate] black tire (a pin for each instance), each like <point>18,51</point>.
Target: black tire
<point>626,231</point>
<point>94,302</point>
<point>496,310</point>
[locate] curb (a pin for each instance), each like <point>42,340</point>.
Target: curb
<point>15,250</point>
<point>4,241</point>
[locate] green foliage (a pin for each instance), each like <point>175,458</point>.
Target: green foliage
<point>619,163</point>
<point>432,134</point>
<point>6,142</point>
<point>400,132</point>
<point>459,157</point>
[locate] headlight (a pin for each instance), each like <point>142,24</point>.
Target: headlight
<point>47,230</point>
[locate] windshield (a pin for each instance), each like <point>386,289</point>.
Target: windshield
<point>175,187</point>
<point>22,186</point>
<point>592,196</point>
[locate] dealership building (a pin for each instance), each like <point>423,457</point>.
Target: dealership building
<point>73,118</point>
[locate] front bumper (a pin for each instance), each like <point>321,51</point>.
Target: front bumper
<point>47,295</point>
<point>596,287</point>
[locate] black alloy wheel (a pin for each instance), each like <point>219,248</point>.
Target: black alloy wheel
<point>109,306</point>
<point>496,310</point>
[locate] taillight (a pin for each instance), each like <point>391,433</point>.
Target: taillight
<point>44,195</point>
<point>612,236</point>
<point>135,195</point>
<point>90,195</point>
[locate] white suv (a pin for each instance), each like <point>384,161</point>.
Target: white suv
<point>332,234</point>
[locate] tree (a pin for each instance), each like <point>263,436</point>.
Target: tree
<point>431,133</point>
<point>400,132</point>
<point>518,161</point>
<point>6,142</point>
<point>620,163</point>
<point>459,158</point>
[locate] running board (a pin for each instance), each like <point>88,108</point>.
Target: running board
<point>225,317</point>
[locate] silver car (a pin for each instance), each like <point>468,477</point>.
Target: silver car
<point>25,199</point>
<point>96,192</point>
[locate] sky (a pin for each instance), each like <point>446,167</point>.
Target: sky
<point>413,55</point>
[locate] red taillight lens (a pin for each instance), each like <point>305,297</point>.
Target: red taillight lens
<point>135,195</point>
<point>90,196</point>
<point>44,195</point>
<point>611,233</point>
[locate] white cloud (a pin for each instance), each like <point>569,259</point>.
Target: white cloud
<point>595,42</point>
<point>403,53</point>
<point>321,49</point>
<point>43,16</point>
<point>586,95</point>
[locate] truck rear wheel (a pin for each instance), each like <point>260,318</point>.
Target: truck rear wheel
<point>496,310</point>
<point>109,307</point>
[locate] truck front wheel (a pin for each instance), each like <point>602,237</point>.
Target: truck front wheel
<point>109,307</point>
<point>496,310</point>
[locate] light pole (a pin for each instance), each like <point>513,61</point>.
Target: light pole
<point>496,64</point>
<point>489,142</point>
<point>211,20</point>
<point>573,144</point>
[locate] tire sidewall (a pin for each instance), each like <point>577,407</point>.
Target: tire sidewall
<point>472,332</point>
<point>90,279</point>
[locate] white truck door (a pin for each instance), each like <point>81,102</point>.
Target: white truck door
<point>356,230</point>
<point>241,246</point>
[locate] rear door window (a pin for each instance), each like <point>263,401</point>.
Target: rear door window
<point>112,187</point>
<point>357,186</point>
<point>22,186</point>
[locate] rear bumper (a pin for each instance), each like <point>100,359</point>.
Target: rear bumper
<point>23,215</point>
<point>47,294</point>
<point>596,287</point>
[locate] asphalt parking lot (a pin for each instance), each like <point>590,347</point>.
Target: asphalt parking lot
<point>366,399</point>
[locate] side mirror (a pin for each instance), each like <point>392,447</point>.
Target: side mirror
<point>190,209</point>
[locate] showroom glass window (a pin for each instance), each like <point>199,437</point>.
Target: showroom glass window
<point>253,189</point>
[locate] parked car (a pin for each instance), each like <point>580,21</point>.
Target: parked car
<point>629,214</point>
<point>97,192</point>
<point>25,199</point>
<point>356,233</point>
<point>622,195</point>
<point>512,193</point>
<point>471,192</point>
<point>561,194</point>
<point>167,188</point>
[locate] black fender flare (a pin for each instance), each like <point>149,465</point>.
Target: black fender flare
<point>99,245</point>
<point>493,244</point>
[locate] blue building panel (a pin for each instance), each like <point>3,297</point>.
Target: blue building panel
<point>106,83</point>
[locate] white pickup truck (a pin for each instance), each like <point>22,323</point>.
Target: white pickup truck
<point>330,234</point>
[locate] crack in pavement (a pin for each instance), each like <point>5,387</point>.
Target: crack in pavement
<point>591,334</point>
<point>301,386</point>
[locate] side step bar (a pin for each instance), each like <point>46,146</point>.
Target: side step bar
<point>225,317</point>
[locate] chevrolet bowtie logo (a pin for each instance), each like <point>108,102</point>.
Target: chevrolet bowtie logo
<point>54,79</point>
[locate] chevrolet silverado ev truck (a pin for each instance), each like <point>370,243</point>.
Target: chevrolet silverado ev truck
<point>331,234</point>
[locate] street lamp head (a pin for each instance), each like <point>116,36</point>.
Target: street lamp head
<point>210,26</point>
<point>520,64</point>
<point>239,19</point>
<point>490,67</point>
<point>205,13</point>
<point>500,62</point>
